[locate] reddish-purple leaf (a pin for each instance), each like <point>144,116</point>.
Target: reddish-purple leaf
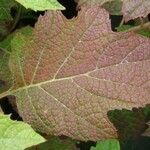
<point>131,9</point>
<point>74,71</point>
<point>91,2</point>
<point>135,8</point>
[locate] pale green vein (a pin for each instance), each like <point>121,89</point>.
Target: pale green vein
<point>73,49</point>
<point>13,91</point>
<point>37,65</point>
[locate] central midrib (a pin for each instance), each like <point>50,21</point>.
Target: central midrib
<point>11,91</point>
<point>49,81</point>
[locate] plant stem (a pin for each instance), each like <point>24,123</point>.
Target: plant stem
<point>137,28</point>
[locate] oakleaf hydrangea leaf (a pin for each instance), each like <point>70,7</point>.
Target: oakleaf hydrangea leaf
<point>92,2</point>
<point>72,72</point>
<point>135,8</point>
<point>5,74</point>
<point>111,144</point>
<point>5,50</point>
<point>41,4</point>
<point>114,7</point>
<point>130,9</point>
<point>16,135</point>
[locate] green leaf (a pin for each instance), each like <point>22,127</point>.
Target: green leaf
<point>55,143</point>
<point>5,51</point>
<point>111,144</point>
<point>41,4</point>
<point>123,28</point>
<point>129,124</point>
<point>144,32</point>
<point>5,27</point>
<point>17,43</point>
<point>5,74</point>
<point>16,135</point>
<point>113,7</point>
<point>5,7</point>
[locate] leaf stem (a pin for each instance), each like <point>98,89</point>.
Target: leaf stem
<point>122,22</point>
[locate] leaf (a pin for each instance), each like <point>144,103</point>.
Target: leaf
<point>113,7</point>
<point>5,17</point>
<point>141,143</point>
<point>72,72</point>
<point>55,143</point>
<point>41,5</point>
<point>4,29</point>
<point>129,124</point>
<point>92,2</point>
<point>5,7</point>
<point>134,9</point>
<point>5,50</point>
<point>111,144</point>
<point>144,32</point>
<point>5,74</point>
<point>16,135</point>
<point>131,9</point>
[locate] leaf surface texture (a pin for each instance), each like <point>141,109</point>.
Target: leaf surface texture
<point>135,8</point>
<point>111,144</point>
